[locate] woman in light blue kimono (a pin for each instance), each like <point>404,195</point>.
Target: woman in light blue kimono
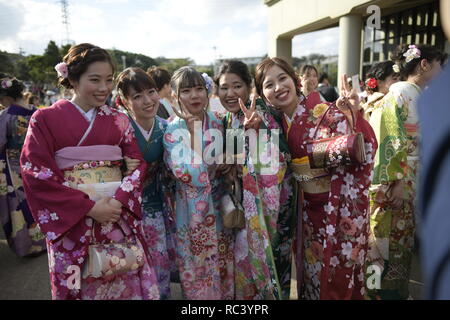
<point>204,246</point>
<point>139,96</point>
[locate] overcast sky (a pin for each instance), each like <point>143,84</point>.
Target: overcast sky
<point>170,28</point>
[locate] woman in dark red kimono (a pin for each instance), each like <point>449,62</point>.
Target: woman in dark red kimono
<point>79,145</point>
<point>333,213</point>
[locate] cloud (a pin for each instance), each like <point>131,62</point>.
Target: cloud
<point>324,41</point>
<point>170,28</point>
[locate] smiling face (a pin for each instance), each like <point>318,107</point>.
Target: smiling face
<point>94,86</point>
<point>310,79</point>
<point>231,88</point>
<point>279,89</point>
<point>143,104</point>
<point>194,99</point>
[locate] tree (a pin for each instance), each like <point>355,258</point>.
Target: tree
<point>6,65</point>
<point>52,55</point>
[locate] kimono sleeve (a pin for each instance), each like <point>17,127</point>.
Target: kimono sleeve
<point>391,159</point>
<point>130,191</point>
<point>177,156</point>
<point>55,206</point>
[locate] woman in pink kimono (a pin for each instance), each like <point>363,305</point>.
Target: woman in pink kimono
<point>70,164</point>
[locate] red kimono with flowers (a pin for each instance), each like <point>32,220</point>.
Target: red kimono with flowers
<point>336,222</point>
<point>61,210</point>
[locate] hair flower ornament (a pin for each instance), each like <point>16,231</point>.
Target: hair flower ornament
<point>412,53</point>
<point>208,82</point>
<point>7,84</point>
<point>372,83</point>
<point>396,68</point>
<point>62,69</point>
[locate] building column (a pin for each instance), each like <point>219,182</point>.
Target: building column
<point>350,35</point>
<point>281,48</point>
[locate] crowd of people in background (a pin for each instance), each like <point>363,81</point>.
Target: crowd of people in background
<point>95,178</point>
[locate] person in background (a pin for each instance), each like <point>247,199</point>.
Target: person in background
<point>162,79</point>
<point>327,91</point>
<point>309,82</point>
<point>214,102</point>
<point>433,196</point>
<point>378,81</point>
<point>393,190</point>
<point>22,232</point>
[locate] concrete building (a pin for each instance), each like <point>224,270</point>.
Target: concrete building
<point>361,44</point>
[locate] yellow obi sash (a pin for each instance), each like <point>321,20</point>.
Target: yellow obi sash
<point>96,178</point>
<point>311,180</point>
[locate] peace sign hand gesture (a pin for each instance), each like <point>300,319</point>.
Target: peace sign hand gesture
<point>348,102</point>
<point>187,117</point>
<point>252,119</point>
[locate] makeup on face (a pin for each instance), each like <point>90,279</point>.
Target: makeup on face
<point>94,86</point>
<point>279,89</point>
<point>194,99</point>
<point>231,89</point>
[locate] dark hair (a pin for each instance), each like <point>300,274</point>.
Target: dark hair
<point>136,78</point>
<point>379,71</point>
<point>266,64</point>
<point>78,60</point>
<point>322,77</point>
<point>186,77</point>
<point>160,76</point>
<point>14,91</point>
<point>237,67</point>
<point>305,68</point>
<point>29,97</point>
<point>426,52</point>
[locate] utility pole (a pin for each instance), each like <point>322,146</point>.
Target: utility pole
<point>65,18</point>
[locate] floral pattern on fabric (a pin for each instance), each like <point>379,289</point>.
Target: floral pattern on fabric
<point>392,231</point>
<point>204,246</point>
<point>335,223</point>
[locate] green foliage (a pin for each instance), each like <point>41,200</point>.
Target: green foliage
<point>173,64</point>
<point>40,68</point>
<point>131,60</point>
<point>6,65</point>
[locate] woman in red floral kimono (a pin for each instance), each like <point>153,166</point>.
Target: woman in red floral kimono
<point>78,145</point>
<point>334,222</point>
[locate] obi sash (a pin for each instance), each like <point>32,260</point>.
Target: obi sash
<point>311,180</point>
<point>95,170</point>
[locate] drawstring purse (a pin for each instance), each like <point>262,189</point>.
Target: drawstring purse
<point>336,151</point>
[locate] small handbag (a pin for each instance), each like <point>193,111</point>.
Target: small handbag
<point>336,151</point>
<point>231,209</point>
<point>107,259</point>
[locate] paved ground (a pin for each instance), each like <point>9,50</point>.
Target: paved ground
<point>28,279</point>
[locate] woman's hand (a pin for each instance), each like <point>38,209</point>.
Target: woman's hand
<point>348,102</point>
<point>106,210</point>
<point>252,119</point>
<point>132,164</point>
<point>188,118</point>
<point>396,194</point>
